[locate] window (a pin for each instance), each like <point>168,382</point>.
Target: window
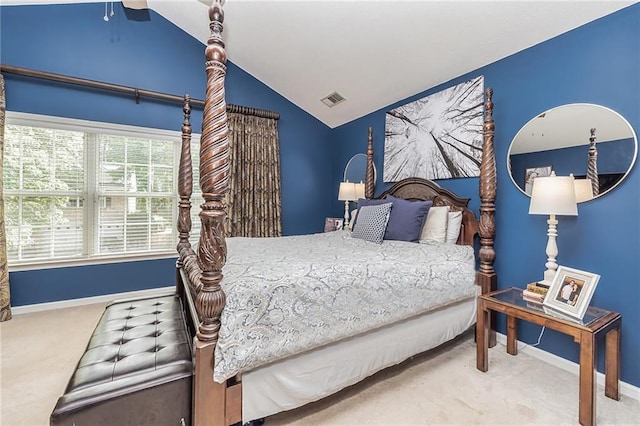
<point>79,190</point>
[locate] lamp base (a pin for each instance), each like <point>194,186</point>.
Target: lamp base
<point>549,275</point>
<point>347,215</point>
<point>551,251</point>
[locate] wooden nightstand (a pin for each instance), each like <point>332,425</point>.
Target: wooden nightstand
<point>596,322</point>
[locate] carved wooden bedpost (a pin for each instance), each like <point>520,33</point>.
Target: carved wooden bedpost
<point>486,276</point>
<point>592,165</point>
<point>210,397</point>
<point>185,188</point>
<point>369,183</point>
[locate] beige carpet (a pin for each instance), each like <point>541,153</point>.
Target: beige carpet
<point>442,387</point>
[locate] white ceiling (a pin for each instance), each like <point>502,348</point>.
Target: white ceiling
<point>374,53</point>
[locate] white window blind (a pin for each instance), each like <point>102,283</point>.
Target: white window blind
<point>137,176</point>
<point>83,190</point>
<point>196,196</point>
<point>44,175</point>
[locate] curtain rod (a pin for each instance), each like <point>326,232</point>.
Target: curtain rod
<point>137,93</point>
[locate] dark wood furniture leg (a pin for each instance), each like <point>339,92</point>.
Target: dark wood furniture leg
<point>493,320</point>
<point>512,335</point>
<point>587,408</point>
<point>612,362</point>
<point>482,337</point>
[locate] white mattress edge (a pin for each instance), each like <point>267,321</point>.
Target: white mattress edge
<point>308,377</point>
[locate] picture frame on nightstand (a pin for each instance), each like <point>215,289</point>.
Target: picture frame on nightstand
<point>571,291</point>
<point>333,224</point>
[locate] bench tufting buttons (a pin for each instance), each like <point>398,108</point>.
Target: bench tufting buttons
<point>151,320</point>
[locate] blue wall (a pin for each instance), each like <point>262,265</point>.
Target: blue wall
<point>598,63</point>
<point>154,55</point>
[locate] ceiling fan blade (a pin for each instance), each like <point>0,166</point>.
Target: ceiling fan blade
<point>135,4</point>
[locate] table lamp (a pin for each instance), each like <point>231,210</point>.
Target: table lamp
<point>553,195</point>
<point>359,190</point>
<point>584,190</point>
<point>346,193</point>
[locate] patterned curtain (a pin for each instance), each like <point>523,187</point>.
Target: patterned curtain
<point>5,301</point>
<point>254,201</point>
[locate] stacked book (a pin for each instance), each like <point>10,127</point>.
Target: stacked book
<point>535,292</point>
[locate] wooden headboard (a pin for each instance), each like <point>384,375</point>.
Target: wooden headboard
<point>418,189</point>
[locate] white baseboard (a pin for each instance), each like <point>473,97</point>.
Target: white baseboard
<point>570,366</point>
<point>38,307</point>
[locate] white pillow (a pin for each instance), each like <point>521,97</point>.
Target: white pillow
<point>454,222</point>
<point>435,227</point>
<point>354,212</point>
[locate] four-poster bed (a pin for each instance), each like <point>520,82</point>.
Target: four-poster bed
<point>209,300</point>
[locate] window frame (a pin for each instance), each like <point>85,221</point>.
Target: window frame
<point>91,191</point>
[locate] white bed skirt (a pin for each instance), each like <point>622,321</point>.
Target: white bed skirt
<point>312,375</point>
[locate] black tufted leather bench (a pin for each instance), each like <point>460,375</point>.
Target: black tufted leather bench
<point>136,370</point>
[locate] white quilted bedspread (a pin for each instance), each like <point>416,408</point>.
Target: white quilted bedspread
<point>292,294</point>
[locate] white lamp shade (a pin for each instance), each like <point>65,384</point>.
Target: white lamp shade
<point>347,191</point>
<point>359,190</point>
<point>553,195</point>
<point>584,190</point>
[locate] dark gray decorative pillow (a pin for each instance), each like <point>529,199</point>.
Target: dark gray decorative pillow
<point>372,222</point>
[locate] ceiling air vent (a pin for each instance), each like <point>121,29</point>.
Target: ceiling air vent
<point>333,99</point>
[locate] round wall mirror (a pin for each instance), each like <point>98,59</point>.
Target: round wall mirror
<point>589,141</point>
<point>356,169</point>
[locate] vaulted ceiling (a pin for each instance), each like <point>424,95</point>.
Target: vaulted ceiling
<point>373,53</point>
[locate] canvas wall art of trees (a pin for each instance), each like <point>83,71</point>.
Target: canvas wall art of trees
<point>436,137</point>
